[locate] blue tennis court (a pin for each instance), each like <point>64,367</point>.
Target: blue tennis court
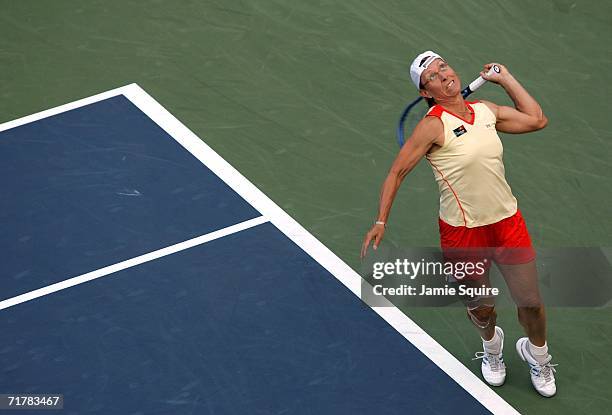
<point>142,274</point>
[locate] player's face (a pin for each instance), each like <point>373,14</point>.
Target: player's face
<point>440,80</point>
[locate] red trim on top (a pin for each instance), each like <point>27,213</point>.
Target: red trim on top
<point>437,110</point>
<point>451,188</point>
<point>461,118</point>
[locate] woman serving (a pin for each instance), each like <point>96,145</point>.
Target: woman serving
<point>479,219</point>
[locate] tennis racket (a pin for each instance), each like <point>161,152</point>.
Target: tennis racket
<point>415,111</point>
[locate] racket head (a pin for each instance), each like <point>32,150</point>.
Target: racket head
<point>410,118</point>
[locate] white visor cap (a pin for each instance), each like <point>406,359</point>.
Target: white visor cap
<point>420,63</point>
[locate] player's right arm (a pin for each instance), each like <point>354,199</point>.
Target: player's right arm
<point>526,116</point>
<point>428,132</point>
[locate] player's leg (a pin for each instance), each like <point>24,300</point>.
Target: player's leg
<point>465,245</point>
<point>515,258</point>
<point>480,309</point>
<point>481,312</point>
<point>522,281</point>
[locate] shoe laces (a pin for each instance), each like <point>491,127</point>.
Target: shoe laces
<point>495,361</point>
<point>544,370</point>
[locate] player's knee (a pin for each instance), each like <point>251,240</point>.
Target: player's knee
<point>531,312</point>
<point>482,317</point>
<point>531,301</point>
<point>487,312</point>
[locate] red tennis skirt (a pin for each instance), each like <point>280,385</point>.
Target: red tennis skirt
<point>505,242</point>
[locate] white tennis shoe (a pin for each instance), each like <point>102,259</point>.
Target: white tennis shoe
<point>542,375</point>
<point>493,367</point>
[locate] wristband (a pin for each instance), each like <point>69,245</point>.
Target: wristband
<point>380,222</point>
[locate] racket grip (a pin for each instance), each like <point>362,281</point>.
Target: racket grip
<point>480,81</point>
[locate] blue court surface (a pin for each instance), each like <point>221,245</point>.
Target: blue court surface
<point>141,274</point>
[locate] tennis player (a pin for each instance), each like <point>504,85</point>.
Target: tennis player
<point>479,219</point>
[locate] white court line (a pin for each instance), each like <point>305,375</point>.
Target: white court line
<point>63,108</point>
<point>132,262</point>
<point>294,231</point>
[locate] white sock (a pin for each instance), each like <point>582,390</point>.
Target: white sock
<point>539,353</point>
<point>494,345</point>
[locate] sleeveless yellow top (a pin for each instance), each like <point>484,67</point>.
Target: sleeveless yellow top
<point>469,169</point>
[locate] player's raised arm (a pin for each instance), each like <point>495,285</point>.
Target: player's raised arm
<point>526,116</point>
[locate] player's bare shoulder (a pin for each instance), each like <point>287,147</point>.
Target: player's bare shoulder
<point>430,131</point>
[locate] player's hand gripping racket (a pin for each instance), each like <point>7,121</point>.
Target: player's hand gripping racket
<point>416,110</point>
